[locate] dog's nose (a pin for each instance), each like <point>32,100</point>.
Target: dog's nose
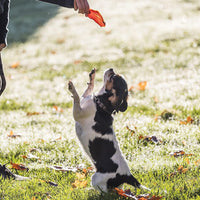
<point>111,70</point>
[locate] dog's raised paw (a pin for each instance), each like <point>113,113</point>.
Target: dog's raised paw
<point>71,86</point>
<point>92,74</point>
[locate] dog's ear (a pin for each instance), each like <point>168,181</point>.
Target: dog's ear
<point>124,105</point>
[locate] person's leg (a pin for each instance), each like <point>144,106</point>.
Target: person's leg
<point>3,80</point>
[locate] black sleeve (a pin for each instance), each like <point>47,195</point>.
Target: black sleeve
<point>4,18</point>
<point>64,3</point>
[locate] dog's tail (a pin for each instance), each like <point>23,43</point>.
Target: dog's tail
<point>134,182</point>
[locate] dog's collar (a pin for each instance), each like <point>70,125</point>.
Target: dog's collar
<point>101,105</point>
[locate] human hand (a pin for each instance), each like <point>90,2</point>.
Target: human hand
<point>2,45</point>
<point>82,6</point>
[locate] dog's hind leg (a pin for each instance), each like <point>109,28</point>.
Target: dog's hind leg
<point>134,182</point>
<point>90,87</point>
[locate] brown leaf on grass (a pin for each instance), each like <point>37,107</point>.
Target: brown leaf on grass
<point>197,163</point>
<point>131,130</point>
<point>153,139</point>
<point>181,169</point>
<point>57,109</point>
<point>34,113</point>
<point>156,198</point>
<point>79,184</point>
<point>187,160</point>
<point>12,135</point>
<point>179,153</point>
<point>76,62</point>
<point>80,176</point>
<point>156,99</point>
<point>189,120</point>
<point>42,141</point>
<point>15,65</point>
<point>87,170</point>
<point>80,181</point>
<point>130,195</point>
<point>19,166</point>
<point>60,41</point>
<point>142,85</point>
<point>131,88</point>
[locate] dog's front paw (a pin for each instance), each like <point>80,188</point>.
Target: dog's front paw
<point>92,75</point>
<point>71,87</point>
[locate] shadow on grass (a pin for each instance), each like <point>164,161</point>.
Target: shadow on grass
<point>26,17</point>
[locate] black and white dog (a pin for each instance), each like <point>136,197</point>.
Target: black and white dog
<point>94,128</point>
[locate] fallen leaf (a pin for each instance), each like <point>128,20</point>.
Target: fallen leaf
<point>79,184</point>
<point>12,135</point>
<point>131,88</point>
<point>187,161</point>
<point>60,41</point>
<point>108,32</point>
<point>156,99</point>
<point>131,130</point>
<point>179,153</point>
<point>153,139</point>
<point>129,194</point>
<point>57,109</point>
<point>142,85</point>
<point>19,166</point>
<point>76,62</point>
<point>189,120</point>
<point>97,17</point>
<point>41,141</point>
<point>156,198</point>
<point>80,176</point>
<point>33,113</point>
<point>181,169</point>
<point>53,52</point>
<point>197,163</point>
<point>15,65</point>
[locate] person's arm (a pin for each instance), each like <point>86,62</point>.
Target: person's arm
<point>64,3</point>
<point>81,5</point>
<point>4,18</point>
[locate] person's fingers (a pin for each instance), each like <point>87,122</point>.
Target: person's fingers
<point>87,7</point>
<point>75,5</point>
<point>80,6</point>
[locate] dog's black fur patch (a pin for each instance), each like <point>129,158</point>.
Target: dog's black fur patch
<point>120,179</point>
<point>103,117</point>
<point>101,151</point>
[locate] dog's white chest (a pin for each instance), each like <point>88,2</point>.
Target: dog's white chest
<point>85,133</point>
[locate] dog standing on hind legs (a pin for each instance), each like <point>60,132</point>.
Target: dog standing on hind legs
<point>94,128</point>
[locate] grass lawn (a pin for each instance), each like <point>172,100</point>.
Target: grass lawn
<point>154,42</point>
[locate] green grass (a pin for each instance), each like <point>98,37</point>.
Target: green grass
<point>149,42</point>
